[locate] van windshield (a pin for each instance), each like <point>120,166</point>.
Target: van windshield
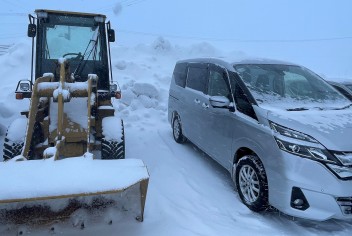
<point>289,87</point>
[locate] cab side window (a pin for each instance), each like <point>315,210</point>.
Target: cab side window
<point>218,85</point>
<point>197,78</point>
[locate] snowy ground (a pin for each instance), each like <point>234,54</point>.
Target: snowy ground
<point>189,194</point>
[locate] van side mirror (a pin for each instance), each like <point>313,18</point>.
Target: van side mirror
<point>111,35</point>
<point>32,30</point>
<point>219,101</point>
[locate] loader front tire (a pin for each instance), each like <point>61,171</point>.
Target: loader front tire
<point>113,149</point>
<point>14,142</point>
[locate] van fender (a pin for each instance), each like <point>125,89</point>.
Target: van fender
<point>249,147</point>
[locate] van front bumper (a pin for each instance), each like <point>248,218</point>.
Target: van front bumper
<point>308,189</point>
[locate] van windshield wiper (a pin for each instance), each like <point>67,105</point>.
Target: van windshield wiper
<point>297,109</point>
<point>342,108</point>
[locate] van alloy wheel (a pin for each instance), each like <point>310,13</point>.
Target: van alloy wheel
<point>249,183</point>
<point>252,183</point>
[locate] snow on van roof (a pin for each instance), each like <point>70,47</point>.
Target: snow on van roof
<point>229,65</point>
<point>262,61</point>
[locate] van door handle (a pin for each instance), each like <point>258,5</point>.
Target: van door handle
<point>197,101</point>
<point>204,105</point>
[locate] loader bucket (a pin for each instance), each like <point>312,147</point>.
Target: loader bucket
<point>44,191</point>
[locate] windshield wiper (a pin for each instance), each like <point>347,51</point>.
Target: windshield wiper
<point>297,109</point>
<point>92,46</point>
<point>319,108</point>
<point>345,107</point>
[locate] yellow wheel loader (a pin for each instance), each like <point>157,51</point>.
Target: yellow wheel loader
<point>67,152</point>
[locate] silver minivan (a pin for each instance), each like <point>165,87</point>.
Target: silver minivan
<point>283,133</point>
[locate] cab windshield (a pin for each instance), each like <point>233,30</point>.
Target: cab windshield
<point>289,87</point>
<point>72,42</point>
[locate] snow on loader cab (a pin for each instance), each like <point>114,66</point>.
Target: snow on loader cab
<point>70,115</point>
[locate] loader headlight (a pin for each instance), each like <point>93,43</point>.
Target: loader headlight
<point>113,87</point>
<point>24,86</point>
<point>99,19</point>
<point>42,14</point>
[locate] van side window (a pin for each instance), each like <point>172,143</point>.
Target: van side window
<point>218,85</point>
<point>242,103</point>
<point>197,78</point>
<point>180,74</point>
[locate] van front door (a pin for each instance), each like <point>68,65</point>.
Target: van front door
<point>218,131</point>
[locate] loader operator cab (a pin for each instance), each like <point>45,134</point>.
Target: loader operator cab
<point>81,38</point>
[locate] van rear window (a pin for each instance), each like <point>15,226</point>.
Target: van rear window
<point>197,78</point>
<point>180,73</point>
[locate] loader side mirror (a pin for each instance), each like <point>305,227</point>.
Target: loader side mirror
<point>32,30</point>
<point>111,35</point>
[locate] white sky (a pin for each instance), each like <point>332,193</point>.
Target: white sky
<point>317,34</point>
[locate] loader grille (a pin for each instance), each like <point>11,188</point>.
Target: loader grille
<point>103,95</point>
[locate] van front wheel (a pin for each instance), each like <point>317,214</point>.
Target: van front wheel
<point>251,183</point>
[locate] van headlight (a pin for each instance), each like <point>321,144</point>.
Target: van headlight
<point>301,144</point>
<point>291,133</point>
<point>315,153</point>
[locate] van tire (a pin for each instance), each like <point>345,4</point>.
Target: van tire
<point>177,130</point>
<point>252,183</point>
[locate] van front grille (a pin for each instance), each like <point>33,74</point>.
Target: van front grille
<point>345,204</point>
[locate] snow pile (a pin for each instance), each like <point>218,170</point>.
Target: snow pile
<point>161,45</point>
<point>18,53</point>
<point>136,94</point>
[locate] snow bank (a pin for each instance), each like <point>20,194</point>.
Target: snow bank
<point>145,89</point>
<point>6,110</point>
